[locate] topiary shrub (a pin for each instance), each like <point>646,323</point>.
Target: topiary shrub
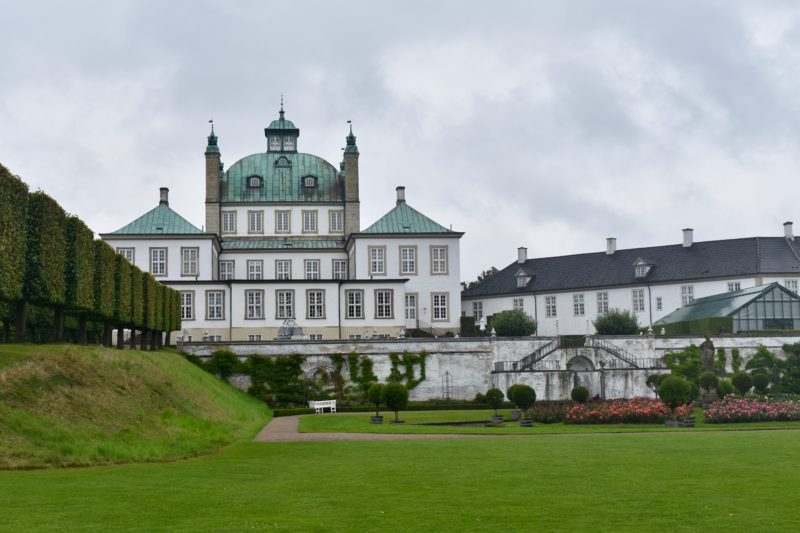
<point>395,396</point>
<point>523,396</point>
<point>725,387</point>
<point>580,394</point>
<point>494,397</point>
<point>742,381</point>
<point>617,322</point>
<point>674,392</point>
<point>708,381</point>
<point>653,381</point>
<point>375,395</point>
<point>760,382</point>
<point>479,398</point>
<point>513,323</point>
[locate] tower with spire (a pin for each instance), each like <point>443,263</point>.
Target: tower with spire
<point>352,206</point>
<point>213,172</point>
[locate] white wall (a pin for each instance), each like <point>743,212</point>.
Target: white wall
<point>297,258</point>
<point>268,219</point>
<point>142,254</point>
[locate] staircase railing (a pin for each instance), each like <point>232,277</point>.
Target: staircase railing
<point>614,350</point>
<point>527,362</point>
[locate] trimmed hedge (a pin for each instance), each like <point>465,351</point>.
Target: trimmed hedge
<point>79,267</point>
<point>175,303</point>
<point>13,235</point>
<point>149,291</point>
<point>122,290</point>
<point>104,267</point>
<point>137,297</point>
<point>45,255</point>
<point>701,326</point>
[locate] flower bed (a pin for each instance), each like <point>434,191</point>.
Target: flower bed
<point>730,409</point>
<point>635,411</point>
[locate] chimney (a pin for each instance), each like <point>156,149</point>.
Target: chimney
<point>611,245</point>
<point>164,196</point>
<point>522,254</point>
<point>787,231</point>
<point>688,237</point>
<point>401,195</point>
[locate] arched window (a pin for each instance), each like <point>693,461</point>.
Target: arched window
<point>283,162</point>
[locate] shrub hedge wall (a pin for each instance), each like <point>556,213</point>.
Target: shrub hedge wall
<point>122,290</point>
<point>45,282</point>
<point>79,267</point>
<point>13,235</point>
<point>104,263</point>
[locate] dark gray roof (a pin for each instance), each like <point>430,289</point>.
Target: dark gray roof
<point>702,260</point>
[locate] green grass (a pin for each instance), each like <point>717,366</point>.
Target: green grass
<point>702,481</point>
<point>63,405</point>
<point>360,423</point>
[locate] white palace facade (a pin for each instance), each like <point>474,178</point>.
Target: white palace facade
<point>283,254</point>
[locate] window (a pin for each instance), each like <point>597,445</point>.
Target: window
<point>411,306</point>
<point>315,304</point>
<point>477,310</point>
<point>354,336</point>
<point>336,221</point>
<point>791,284</point>
<point>339,269</point>
<point>637,296</point>
<point>254,304</point>
<point>550,307</point>
<point>283,221</point>
<point>256,222</point>
<point>255,269</point>
<point>602,303</point>
<point>187,305</point>
<point>439,303</point>
<point>283,269</point>
<point>254,337</point>
<point>284,304</point>
<point>438,259</point>
<point>659,303</point>
<point>288,143</point>
<point>215,338</point>
<point>215,305</point>
<point>641,270</point>
<point>309,182</point>
<point>377,260</point>
<point>578,307</point>
<point>315,336</point>
<point>408,260</point>
<point>384,307</point>
<point>687,294</point>
<point>254,182</point>
<point>312,268</point>
<point>189,261</point>
<point>275,144</point>
<point>225,270</point>
<point>734,286</point>
<point>522,280</point>
<point>355,303</point>
<point>158,261</point>
<point>127,253</point>
<point>229,222</point>
<point>518,303</point>
<point>309,221</point>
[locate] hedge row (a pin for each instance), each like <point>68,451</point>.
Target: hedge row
<point>50,259</point>
<point>371,408</point>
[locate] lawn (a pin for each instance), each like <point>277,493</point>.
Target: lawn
<point>713,481</point>
<point>360,423</point>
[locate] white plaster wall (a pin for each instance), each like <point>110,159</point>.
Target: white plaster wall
<point>297,258</point>
<point>142,255</point>
<point>268,219</point>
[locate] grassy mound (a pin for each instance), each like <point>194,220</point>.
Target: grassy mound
<point>63,405</point>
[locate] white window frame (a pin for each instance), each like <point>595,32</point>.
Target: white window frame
<point>283,269</point>
<point>283,221</point>
<point>477,311</point>
<point>310,221</point>
<point>228,222</point>
<point>579,304</point>
<point>637,300</point>
<point>254,304</point>
<point>284,304</point>
<point>734,286</point>
<point>128,253</point>
<point>411,306</point>
<point>518,304</point>
<point>408,260</point>
<point>384,303</point>
<point>215,305</point>
<point>254,337</point>
<point>440,302</point>
<point>687,295</point>
<point>790,285</point>
<point>190,261</point>
<point>602,303</point>
<point>376,255</point>
<point>311,268</point>
<point>315,336</point>
<point>255,222</point>
<point>339,268</point>
<point>659,303</point>
<point>255,269</point>
<point>336,221</point>
<point>158,265</point>
<point>354,299</point>
<point>439,260</point>
<point>550,306</point>
<point>187,305</point>
<point>229,273</point>
<point>315,304</point>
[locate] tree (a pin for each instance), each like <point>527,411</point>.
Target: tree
<point>523,397</point>
<point>721,363</point>
<point>674,392</point>
<point>617,322</point>
<point>483,276</point>
<point>395,396</point>
<point>513,323</point>
<point>760,382</point>
<point>790,379</point>
<point>742,381</point>
<point>653,381</point>
<point>580,394</point>
<point>494,397</point>
<point>375,395</point>
<point>708,381</point>
<point>765,361</point>
<point>687,364</point>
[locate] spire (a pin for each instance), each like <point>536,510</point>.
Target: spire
<point>212,147</point>
<point>281,111</point>
<point>351,141</point>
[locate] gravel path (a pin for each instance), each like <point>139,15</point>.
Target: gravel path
<point>284,429</point>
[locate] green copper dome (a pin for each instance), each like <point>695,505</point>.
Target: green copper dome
<point>281,124</point>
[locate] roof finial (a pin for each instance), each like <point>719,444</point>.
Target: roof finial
<point>212,126</point>
<point>351,126</point>
<point>281,111</point>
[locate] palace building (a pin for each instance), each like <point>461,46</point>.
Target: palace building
<point>283,254</point>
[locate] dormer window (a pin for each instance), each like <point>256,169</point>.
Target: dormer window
<point>641,268</point>
<point>522,279</point>
<point>309,182</point>
<point>254,182</point>
<point>283,162</point>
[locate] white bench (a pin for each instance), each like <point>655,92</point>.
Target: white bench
<point>320,406</point>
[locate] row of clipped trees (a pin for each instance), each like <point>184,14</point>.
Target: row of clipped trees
<point>51,266</point>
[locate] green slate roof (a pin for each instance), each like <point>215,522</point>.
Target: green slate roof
<point>161,220</point>
<point>282,176</point>
<point>280,244</point>
<point>405,219</point>
<point>718,305</point>
<point>282,124</point>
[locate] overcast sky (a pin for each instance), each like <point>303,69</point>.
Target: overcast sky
<point>551,125</point>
